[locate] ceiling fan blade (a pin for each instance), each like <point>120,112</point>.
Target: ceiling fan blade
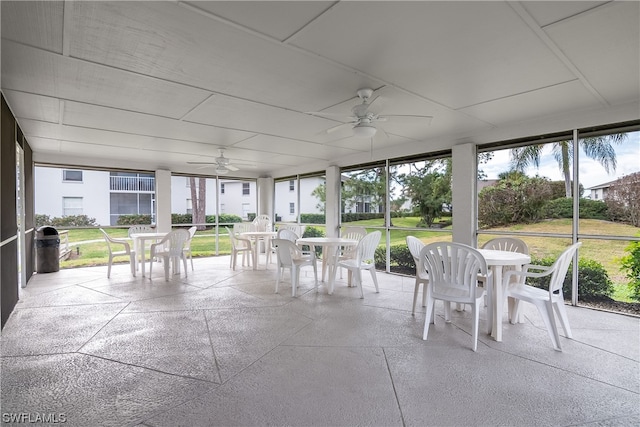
<point>231,167</point>
<point>404,118</point>
<point>329,115</point>
<point>339,127</point>
<point>202,163</point>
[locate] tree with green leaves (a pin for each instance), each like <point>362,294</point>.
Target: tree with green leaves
<point>599,148</point>
<point>428,186</point>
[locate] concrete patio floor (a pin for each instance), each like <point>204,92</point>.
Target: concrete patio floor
<point>220,348</point>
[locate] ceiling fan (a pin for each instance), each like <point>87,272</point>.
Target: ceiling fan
<point>363,121</point>
<point>223,164</point>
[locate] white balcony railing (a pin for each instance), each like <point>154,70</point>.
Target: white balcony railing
<point>133,184</point>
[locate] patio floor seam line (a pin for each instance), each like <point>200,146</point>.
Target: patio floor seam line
<point>566,371</point>
<point>79,350</point>
<point>147,368</point>
<point>213,349</point>
<point>393,385</point>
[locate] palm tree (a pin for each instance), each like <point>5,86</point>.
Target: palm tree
<point>599,148</point>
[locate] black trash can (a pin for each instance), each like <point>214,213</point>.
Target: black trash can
<point>47,250</point>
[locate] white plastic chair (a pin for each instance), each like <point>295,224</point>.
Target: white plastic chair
<point>262,223</point>
<point>510,244</point>
<point>422,275</point>
<point>349,252</point>
<point>364,260</point>
<point>545,300</point>
<point>187,246</point>
<point>239,245</point>
<point>131,253</point>
<point>290,256</point>
<point>453,274</point>
<point>298,229</point>
<point>287,234</point>
<point>170,248</point>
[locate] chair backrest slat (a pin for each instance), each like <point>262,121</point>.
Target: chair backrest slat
<point>453,270</point>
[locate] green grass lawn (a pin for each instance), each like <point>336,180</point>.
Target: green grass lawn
<point>607,252</point>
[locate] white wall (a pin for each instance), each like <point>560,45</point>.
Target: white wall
<point>284,196</point>
<point>94,190</point>
<point>232,201</point>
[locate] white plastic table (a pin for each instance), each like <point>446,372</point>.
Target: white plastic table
<point>138,242</point>
<point>497,260</point>
<point>258,236</point>
<point>330,252</point>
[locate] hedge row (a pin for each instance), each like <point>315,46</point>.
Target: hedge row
<point>177,219</point>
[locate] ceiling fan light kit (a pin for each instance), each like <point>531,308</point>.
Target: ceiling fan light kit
<point>364,130</point>
<point>222,170</point>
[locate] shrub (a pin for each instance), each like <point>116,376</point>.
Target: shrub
<point>134,219</point>
<point>73,221</point>
<point>631,264</point>
<point>589,209</point>
<point>401,260</point>
<point>224,218</point>
<point>251,216</point>
<point>42,219</point>
<point>313,232</point>
<point>517,200</point>
<point>593,280</point>
<point>360,216</point>
<point>181,218</point>
<point>312,218</point>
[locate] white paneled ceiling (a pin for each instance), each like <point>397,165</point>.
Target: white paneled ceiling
<point>149,85</point>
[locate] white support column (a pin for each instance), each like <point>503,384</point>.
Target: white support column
<point>163,201</point>
<point>332,205</point>
<point>265,188</point>
<point>464,193</point>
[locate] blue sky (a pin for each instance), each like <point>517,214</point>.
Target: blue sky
<point>591,172</point>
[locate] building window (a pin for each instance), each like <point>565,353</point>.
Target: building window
<point>245,210</point>
<point>71,206</point>
<point>292,185</point>
<point>189,206</point>
<point>221,188</point>
<point>71,175</point>
<point>292,208</point>
<point>222,208</point>
<point>245,189</point>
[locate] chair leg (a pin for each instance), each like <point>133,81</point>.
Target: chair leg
<point>475,312</point>
<point>165,262</point>
<point>415,297</point>
<point>429,314</point>
<point>278,274</point>
<point>232,261</point>
<point>315,275</point>
<point>546,311</point>
<point>447,311</point>
<point>375,279</point>
<point>564,320</point>
<point>184,262</point>
<point>358,274</point>
<point>109,267</point>
<point>295,274</point>
<point>132,261</point>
